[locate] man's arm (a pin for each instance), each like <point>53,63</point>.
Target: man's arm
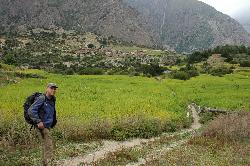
<point>34,110</point>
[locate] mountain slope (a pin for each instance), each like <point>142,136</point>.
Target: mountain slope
<point>184,26</point>
<point>190,25</point>
<point>106,17</point>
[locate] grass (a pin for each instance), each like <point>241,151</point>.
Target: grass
<point>149,150</point>
<point>120,106</point>
<point>31,155</point>
<point>230,92</point>
<point>101,106</point>
<point>202,151</point>
<point>114,107</point>
<point>225,141</point>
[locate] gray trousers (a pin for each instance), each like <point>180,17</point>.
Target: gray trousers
<point>47,146</point>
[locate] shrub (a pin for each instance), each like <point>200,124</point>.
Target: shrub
<point>91,71</point>
<point>193,73</point>
<point>136,127</point>
<point>180,75</point>
<point>91,46</point>
<point>28,75</point>
<point>221,71</point>
<point>69,71</point>
<point>234,126</point>
<point>152,69</point>
<point>185,73</point>
<point>245,64</point>
<point>206,117</point>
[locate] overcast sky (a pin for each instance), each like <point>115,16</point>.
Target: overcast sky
<point>229,7</point>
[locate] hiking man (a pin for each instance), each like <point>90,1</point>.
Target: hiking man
<point>43,114</point>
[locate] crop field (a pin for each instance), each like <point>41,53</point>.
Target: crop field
<point>120,107</point>
<point>110,107</point>
<point>111,102</point>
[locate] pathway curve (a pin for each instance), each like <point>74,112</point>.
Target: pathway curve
<point>113,146</point>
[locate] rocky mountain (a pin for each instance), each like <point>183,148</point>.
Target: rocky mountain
<point>188,25</point>
<point>182,25</point>
<point>106,17</point>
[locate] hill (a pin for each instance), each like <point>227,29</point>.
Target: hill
<point>190,25</point>
<point>183,26</point>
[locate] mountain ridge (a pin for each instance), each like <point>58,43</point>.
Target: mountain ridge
<point>192,24</point>
<point>184,26</point>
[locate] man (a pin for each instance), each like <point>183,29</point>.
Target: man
<point>43,114</point>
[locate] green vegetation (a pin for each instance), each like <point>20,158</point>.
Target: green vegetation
<point>102,106</point>
<point>233,54</point>
<point>76,53</point>
<point>148,51</point>
<point>119,107</point>
<point>225,141</point>
<point>132,155</point>
<point>184,73</point>
<point>102,94</point>
<point>30,154</point>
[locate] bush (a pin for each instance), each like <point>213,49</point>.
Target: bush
<point>180,75</point>
<point>91,71</point>
<point>136,127</point>
<point>234,126</point>
<point>185,73</point>
<point>10,59</point>
<point>69,71</point>
<point>206,117</point>
<point>28,75</point>
<point>193,73</point>
<point>152,69</point>
<point>91,46</point>
<point>221,71</point>
<point>245,64</point>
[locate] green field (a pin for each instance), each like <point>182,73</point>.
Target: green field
<point>119,107</point>
<point>108,107</point>
<point>104,103</point>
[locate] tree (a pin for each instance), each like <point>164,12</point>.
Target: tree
<point>9,58</point>
<point>91,45</point>
<point>11,42</point>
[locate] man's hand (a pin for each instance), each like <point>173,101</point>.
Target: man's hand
<point>40,125</point>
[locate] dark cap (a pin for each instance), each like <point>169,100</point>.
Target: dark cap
<point>50,85</point>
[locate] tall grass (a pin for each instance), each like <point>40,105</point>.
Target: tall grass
<point>225,141</point>
<point>119,107</point>
<point>94,107</point>
<point>235,126</point>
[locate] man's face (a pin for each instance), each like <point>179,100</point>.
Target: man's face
<point>51,91</point>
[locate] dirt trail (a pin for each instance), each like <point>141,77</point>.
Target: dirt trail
<point>157,153</point>
<point>196,124</point>
<point>113,146</point>
<point>108,147</point>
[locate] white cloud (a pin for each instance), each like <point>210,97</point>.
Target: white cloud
<point>229,7</point>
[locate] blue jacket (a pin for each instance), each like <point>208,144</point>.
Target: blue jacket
<point>43,110</point>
